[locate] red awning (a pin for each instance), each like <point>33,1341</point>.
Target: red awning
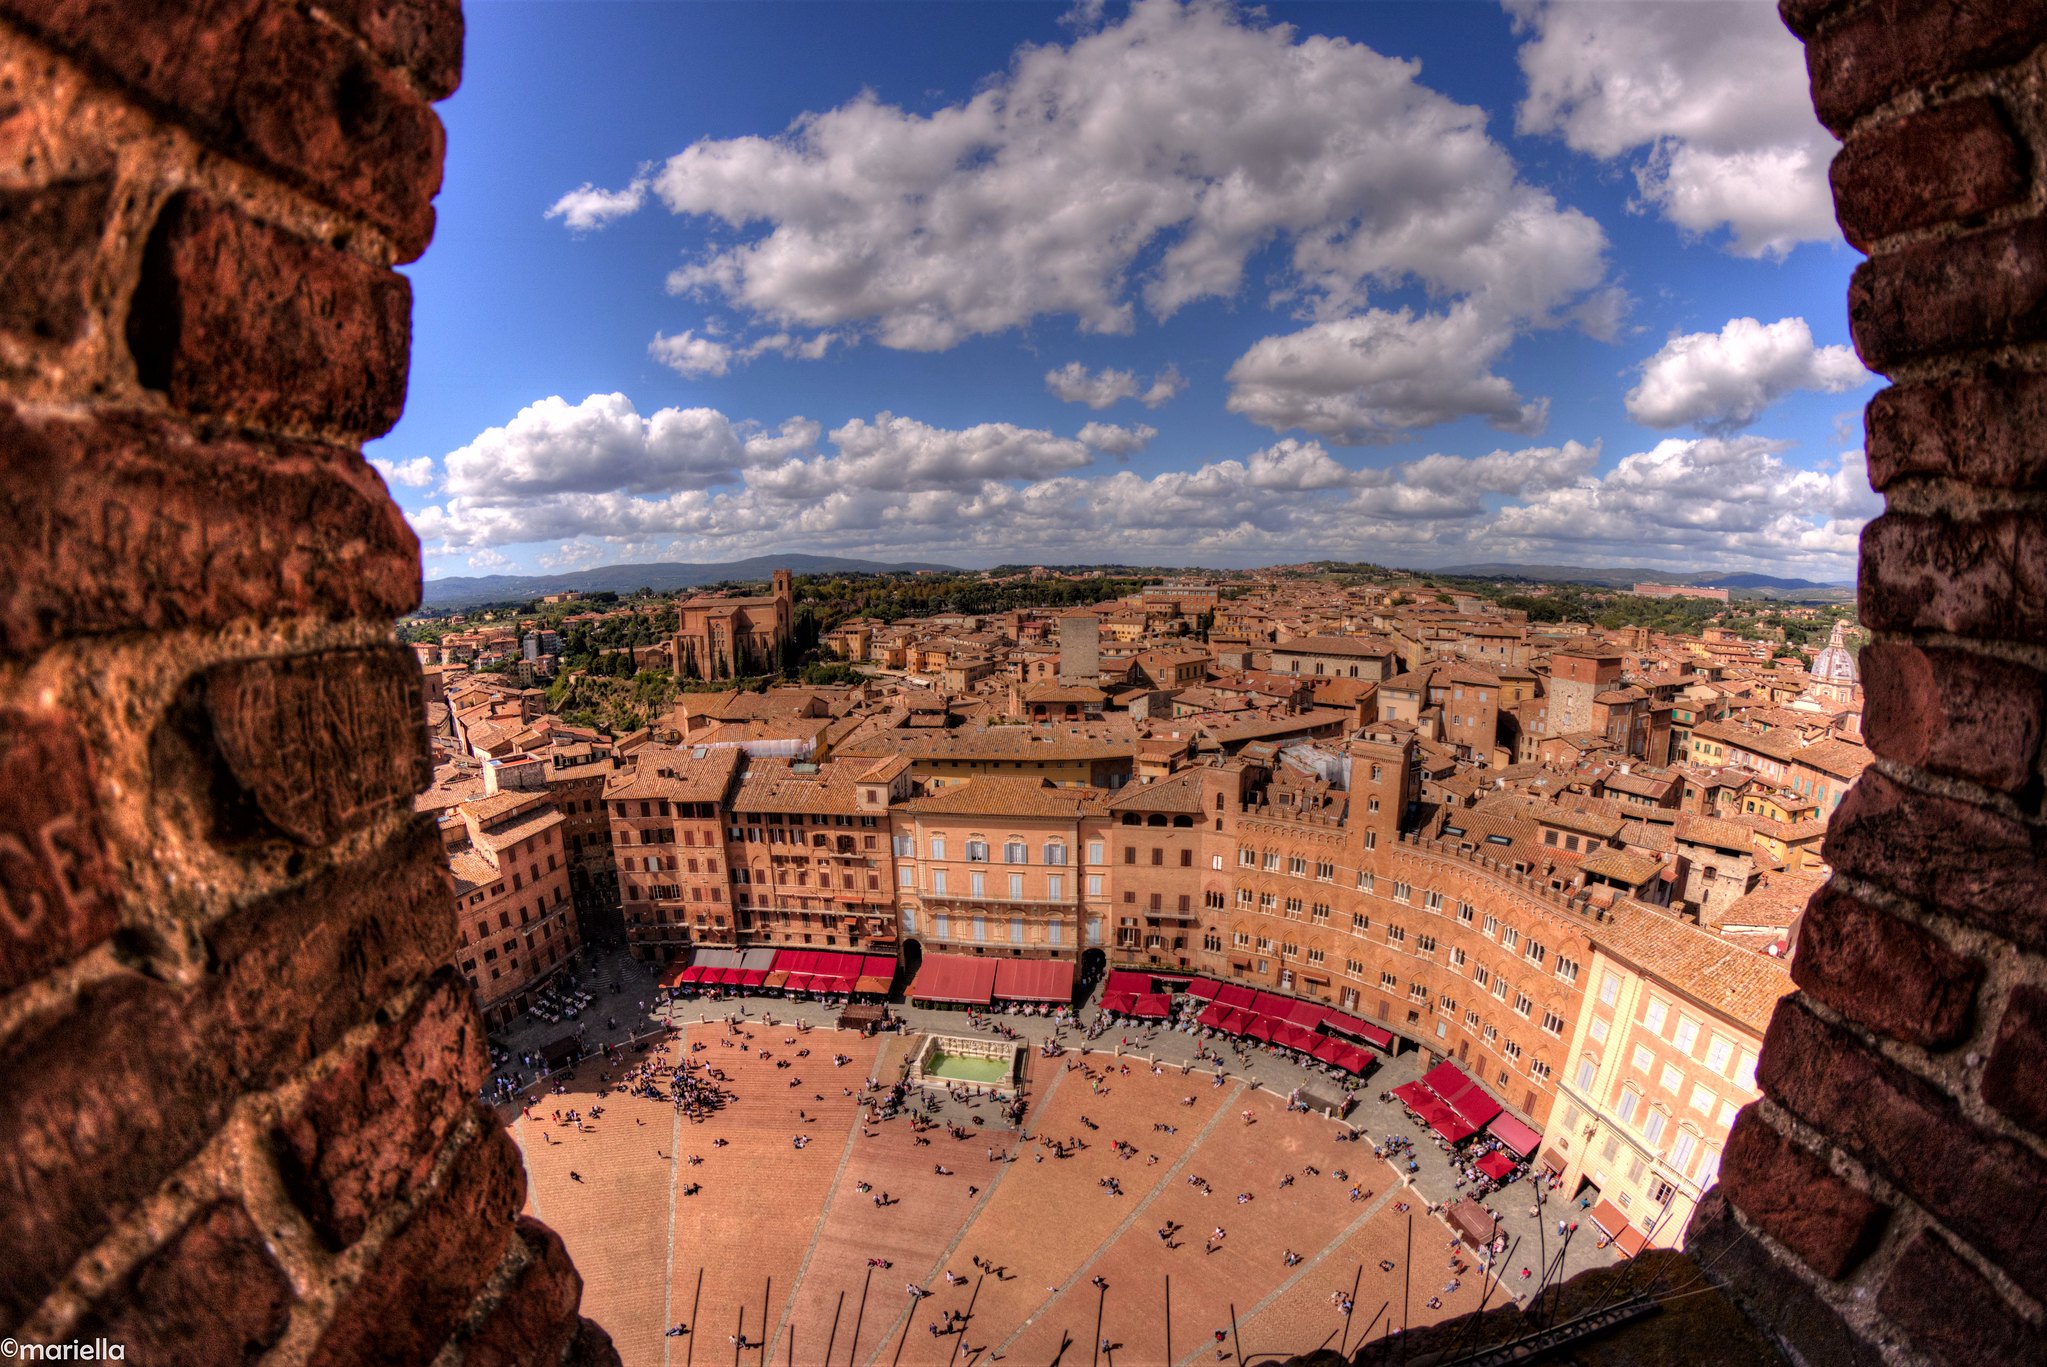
<point>954,978</point>
<point>1413,1093</point>
<point>1034,980</point>
<point>1152,1006</point>
<point>1360,1060</point>
<point>1514,1134</point>
<point>1614,1225</point>
<point>798,982</point>
<point>1235,1021</point>
<point>753,977</point>
<point>1213,1015</point>
<point>1123,980</point>
<point>1235,994</point>
<point>1332,1050</point>
<point>1445,1121</point>
<point>1496,1165</point>
<point>1120,1002</point>
<point>1261,1027</point>
<point>1203,988</point>
<point>1462,1094</point>
<point>1294,1037</point>
<point>1364,1030</point>
<point>1307,1015</point>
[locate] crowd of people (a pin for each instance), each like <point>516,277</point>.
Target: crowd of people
<point>689,1075</point>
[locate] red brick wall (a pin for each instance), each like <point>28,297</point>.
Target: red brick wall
<point>237,1079</point>
<point>1884,1201</point>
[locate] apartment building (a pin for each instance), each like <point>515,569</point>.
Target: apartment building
<point>1659,1062</point>
<point>1009,866</point>
<point>515,923</point>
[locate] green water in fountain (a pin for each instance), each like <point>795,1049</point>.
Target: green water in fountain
<point>961,1068</point>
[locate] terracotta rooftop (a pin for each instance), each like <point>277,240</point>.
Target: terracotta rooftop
<point>1722,976</point>
<point>1005,796</point>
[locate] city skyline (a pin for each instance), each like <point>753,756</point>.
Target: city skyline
<point>1157,284</point>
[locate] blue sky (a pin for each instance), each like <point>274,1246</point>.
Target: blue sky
<point>1158,283</point>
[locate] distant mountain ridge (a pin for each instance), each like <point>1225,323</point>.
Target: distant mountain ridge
<point>662,576</point>
<point>1623,577</point>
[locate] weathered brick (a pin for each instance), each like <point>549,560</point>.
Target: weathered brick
<point>269,83</point>
<point>1804,16</point>
<point>423,37</point>
<point>1942,165</point>
<point>127,522</point>
<point>213,1294</point>
<point>534,1318</point>
<point>241,319</point>
<point>48,239</point>
<point>1985,577</point>
<point>1793,1195</point>
<point>369,1130</point>
<point>299,968</point>
<point>108,1096</point>
<point>1891,975</point>
<point>1976,291</point>
<point>321,743</point>
<point>57,882</point>
<point>105,1099</point>
<point>591,1347</point>
<point>1951,1312</point>
<point>1972,863</point>
<point>1953,712</point>
<point>1890,46</point>
<point>1770,1295</point>
<point>2015,1076</point>
<point>1989,429</point>
<point>423,1279</point>
<point>1984,1187</point>
<point>348,130</point>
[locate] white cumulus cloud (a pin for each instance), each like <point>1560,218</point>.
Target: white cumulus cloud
<point>416,473</point>
<point>1722,381</point>
<point>1709,99</point>
<point>600,444</point>
<point>587,207</point>
<point>1112,440</point>
<point>1098,389</point>
<point>1141,164</point>
<point>1378,375</point>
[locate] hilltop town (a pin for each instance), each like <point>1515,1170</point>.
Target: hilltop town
<point>1572,858</point>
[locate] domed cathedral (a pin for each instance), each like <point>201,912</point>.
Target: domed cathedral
<point>1833,670</point>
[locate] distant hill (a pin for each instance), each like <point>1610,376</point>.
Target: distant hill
<point>662,577</point>
<point>1623,578</point>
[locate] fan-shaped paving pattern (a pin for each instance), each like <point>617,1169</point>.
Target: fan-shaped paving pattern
<point>794,1229</point>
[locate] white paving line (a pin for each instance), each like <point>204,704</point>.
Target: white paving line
<point>1307,1266</point>
<point>980,1204</point>
<point>824,1212</point>
<point>1165,1181</point>
<point>668,1300</point>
